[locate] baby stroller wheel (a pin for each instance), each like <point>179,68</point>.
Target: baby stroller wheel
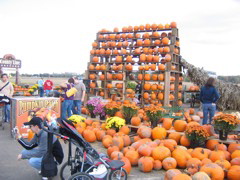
<point>66,172</point>
<point>81,176</point>
<point>118,174</point>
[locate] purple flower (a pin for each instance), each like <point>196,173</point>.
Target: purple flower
<point>99,110</point>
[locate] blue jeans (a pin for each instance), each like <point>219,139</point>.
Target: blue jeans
<point>67,108</point>
<point>76,109</point>
<point>35,162</point>
<point>47,92</point>
<point>208,112</point>
<point>41,91</point>
<point>7,109</point>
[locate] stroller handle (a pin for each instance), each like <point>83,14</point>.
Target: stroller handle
<point>51,131</point>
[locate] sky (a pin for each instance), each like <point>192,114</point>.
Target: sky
<point>56,35</point>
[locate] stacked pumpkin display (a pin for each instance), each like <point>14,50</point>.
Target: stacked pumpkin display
<point>158,149</point>
<point>153,48</point>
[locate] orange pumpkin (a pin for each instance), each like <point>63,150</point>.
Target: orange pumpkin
<point>159,133</point>
<point>89,135</point>
<point>160,153</point>
<point>133,157</point>
<point>180,125</point>
<point>145,164</point>
<point>213,170</point>
<point>169,163</point>
<point>135,121</point>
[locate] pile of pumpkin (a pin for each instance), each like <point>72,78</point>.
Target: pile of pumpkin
<point>156,149</point>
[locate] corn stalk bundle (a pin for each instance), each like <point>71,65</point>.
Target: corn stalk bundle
<point>229,92</point>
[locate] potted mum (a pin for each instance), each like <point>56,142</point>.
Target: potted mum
<point>91,105</point>
<point>154,113</point>
<point>111,108</point>
<point>197,135</point>
<point>225,123</point>
<point>115,123</point>
<point>99,110</point>
<point>129,110</point>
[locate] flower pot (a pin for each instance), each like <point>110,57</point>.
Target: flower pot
<point>93,115</point>
<point>128,120</point>
<point>154,123</point>
<point>223,135</point>
<point>102,117</point>
<point>195,144</point>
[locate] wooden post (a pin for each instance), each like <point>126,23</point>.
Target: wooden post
<point>17,76</point>
<point>1,71</point>
<point>166,87</point>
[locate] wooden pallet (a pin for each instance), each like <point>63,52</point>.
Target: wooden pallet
<point>108,61</point>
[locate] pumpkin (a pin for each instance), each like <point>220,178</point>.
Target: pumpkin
<point>95,44</point>
<point>157,165</point>
<point>144,132</point>
<point>147,86</point>
<point>146,42</point>
<point>118,141</point>
<point>100,134</point>
<point>221,147</point>
<point>181,157</point>
<point>144,150</point>
<point>182,177</point>
<point>133,157</point>
<point>145,164</point>
<point>159,133</point>
<point>129,59</point>
<point>128,148</point>
<point>153,67</point>
<point>175,136</point>
<point>129,67</point>
<point>116,154</point>
<point>111,149</point>
<point>135,121</point>
<point>206,161</point>
<point>126,140</point>
<point>111,132</point>
<point>142,58</point>
<point>168,57</point>
<point>160,153</point>
<point>160,96</point>
<point>107,141</point>
<point>127,165</point>
<point>120,76</point>
<point>161,77</point>
<point>169,163</point>
<point>224,164</point>
<point>211,144</point>
<point>89,135</point>
<point>233,147</point>
<point>92,76</point>
<point>213,170</point>
<point>125,130</point>
<point>161,67</point>
<point>235,154</point>
<point>154,87</point>
<point>170,174</point>
<point>160,87</point>
<point>199,153</point>
<point>139,42</point>
<point>194,162</point>
<point>147,27</point>
<point>173,25</point>
<point>140,77</point>
<point>157,42</point>
<point>180,125</point>
<point>165,41</point>
<point>156,59</point>
<point>145,95</point>
<point>200,176</point>
<point>233,173</point>
<point>235,161</point>
<point>217,155</point>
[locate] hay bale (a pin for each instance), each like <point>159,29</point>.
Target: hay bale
<point>230,93</point>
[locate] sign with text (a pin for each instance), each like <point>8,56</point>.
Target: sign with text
<point>24,109</point>
<point>10,63</point>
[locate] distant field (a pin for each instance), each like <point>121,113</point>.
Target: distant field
<point>33,80</point>
<point>58,81</point>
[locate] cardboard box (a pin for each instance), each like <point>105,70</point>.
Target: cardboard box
<point>24,108</point>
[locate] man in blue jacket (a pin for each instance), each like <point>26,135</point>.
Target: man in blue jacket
<point>38,146</point>
<point>209,96</point>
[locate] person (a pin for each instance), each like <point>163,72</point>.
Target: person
<point>138,90</point>
<point>79,96</point>
<point>6,88</point>
<point>40,87</point>
<point>48,86</point>
<point>68,101</point>
<point>208,97</point>
<point>38,146</point>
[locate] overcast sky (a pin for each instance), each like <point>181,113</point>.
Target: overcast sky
<point>56,35</point>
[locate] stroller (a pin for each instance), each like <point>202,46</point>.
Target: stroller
<point>86,163</point>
